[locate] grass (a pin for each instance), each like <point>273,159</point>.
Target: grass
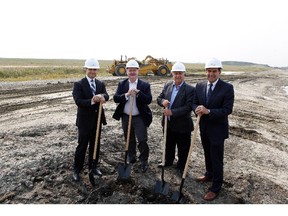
<point>13,69</point>
<point>199,68</point>
<point>43,69</point>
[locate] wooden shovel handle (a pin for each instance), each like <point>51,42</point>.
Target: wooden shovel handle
<point>129,123</point>
<point>97,130</point>
<point>191,146</point>
<point>164,140</point>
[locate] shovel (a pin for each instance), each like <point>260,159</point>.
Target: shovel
<point>178,196</point>
<point>124,169</point>
<point>91,176</point>
<point>162,187</point>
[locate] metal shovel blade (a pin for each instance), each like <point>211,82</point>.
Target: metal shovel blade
<point>178,197</point>
<point>161,187</point>
<point>124,171</point>
<point>91,178</point>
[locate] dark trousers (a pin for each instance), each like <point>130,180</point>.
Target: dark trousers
<point>139,131</point>
<point>83,141</point>
<point>214,154</point>
<point>183,141</point>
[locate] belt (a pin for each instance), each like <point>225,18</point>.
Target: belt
<point>132,115</point>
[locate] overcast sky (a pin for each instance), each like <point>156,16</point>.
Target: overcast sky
<point>180,30</point>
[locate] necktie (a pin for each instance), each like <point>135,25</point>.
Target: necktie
<point>209,93</point>
<point>93,87</point>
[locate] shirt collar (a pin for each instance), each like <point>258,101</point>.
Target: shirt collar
<point>89,79</point>
<point>136,81</point>
<point>214,83</point>
<point>179,85</point>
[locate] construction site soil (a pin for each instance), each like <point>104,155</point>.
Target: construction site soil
<point>38,138</point>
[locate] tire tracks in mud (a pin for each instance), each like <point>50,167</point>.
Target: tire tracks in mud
<point>16,96</point>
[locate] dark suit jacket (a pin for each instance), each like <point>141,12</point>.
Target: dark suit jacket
<point>181,120</point>
<point>87,114</point>
<point>215,125</point>
<point>143,98</point>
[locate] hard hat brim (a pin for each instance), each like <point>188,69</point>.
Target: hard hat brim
<point>91,67</point>
<point>213,67</point>
<point>132,67</point>
<point>172,71</point>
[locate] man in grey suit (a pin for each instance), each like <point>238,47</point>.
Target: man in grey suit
<point>214,101</point>
<point>177,97</point>
<point>141,113</point>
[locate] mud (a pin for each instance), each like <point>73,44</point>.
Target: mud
<point>38,138</point>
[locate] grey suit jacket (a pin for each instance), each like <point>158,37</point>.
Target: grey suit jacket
<point>181,120</point>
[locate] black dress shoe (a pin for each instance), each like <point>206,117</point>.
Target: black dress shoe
<point>96,172</point>
<point>166,165</point>
<point>76,176</point>
<point>132,160</point>
<point>180,172</point>
<point>144,166</point>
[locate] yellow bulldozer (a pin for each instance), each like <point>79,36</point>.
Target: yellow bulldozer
<point>150,65</point>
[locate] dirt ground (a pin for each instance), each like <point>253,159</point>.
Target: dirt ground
<point>38,138</point>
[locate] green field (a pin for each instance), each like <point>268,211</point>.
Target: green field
<point>14,69</point>
<point>41,69</point>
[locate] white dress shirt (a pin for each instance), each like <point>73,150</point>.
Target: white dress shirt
<point>135,110</point>
<point>213,87</point>
<point>90,81</point>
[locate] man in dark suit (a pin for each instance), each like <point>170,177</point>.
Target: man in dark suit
<point>87,94</point>
<point>214,101</point>
<point>177,97</point>
<point>141,113</point>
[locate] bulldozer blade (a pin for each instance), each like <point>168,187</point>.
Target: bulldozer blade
<point>161,187</point>
<point>124,171</point>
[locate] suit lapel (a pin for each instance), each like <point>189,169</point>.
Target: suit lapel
<point>216,91</point>
<point>179,94</point>
<point>98,86</point>
<point>139,83</point>
<point>86,86</point>
<point>204,92</point>
<point>126,86</point>
<point>169,90</point>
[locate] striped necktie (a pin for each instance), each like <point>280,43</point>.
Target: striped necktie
<point>93,87</point>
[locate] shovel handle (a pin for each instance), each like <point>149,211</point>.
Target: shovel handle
<point>97,130</point>
<point>164,140</point>
<point>191,146</point>
<point>129,123</point>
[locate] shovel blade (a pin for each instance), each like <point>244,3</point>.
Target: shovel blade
<point>178,197</point>
<point>91,178</point>
<point>161,187</point>
<point>124,171</point>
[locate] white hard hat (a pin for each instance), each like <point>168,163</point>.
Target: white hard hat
<point>178,66</point>
<point>132,64</point>
<point>92,63</point>
<point>213,63</point>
